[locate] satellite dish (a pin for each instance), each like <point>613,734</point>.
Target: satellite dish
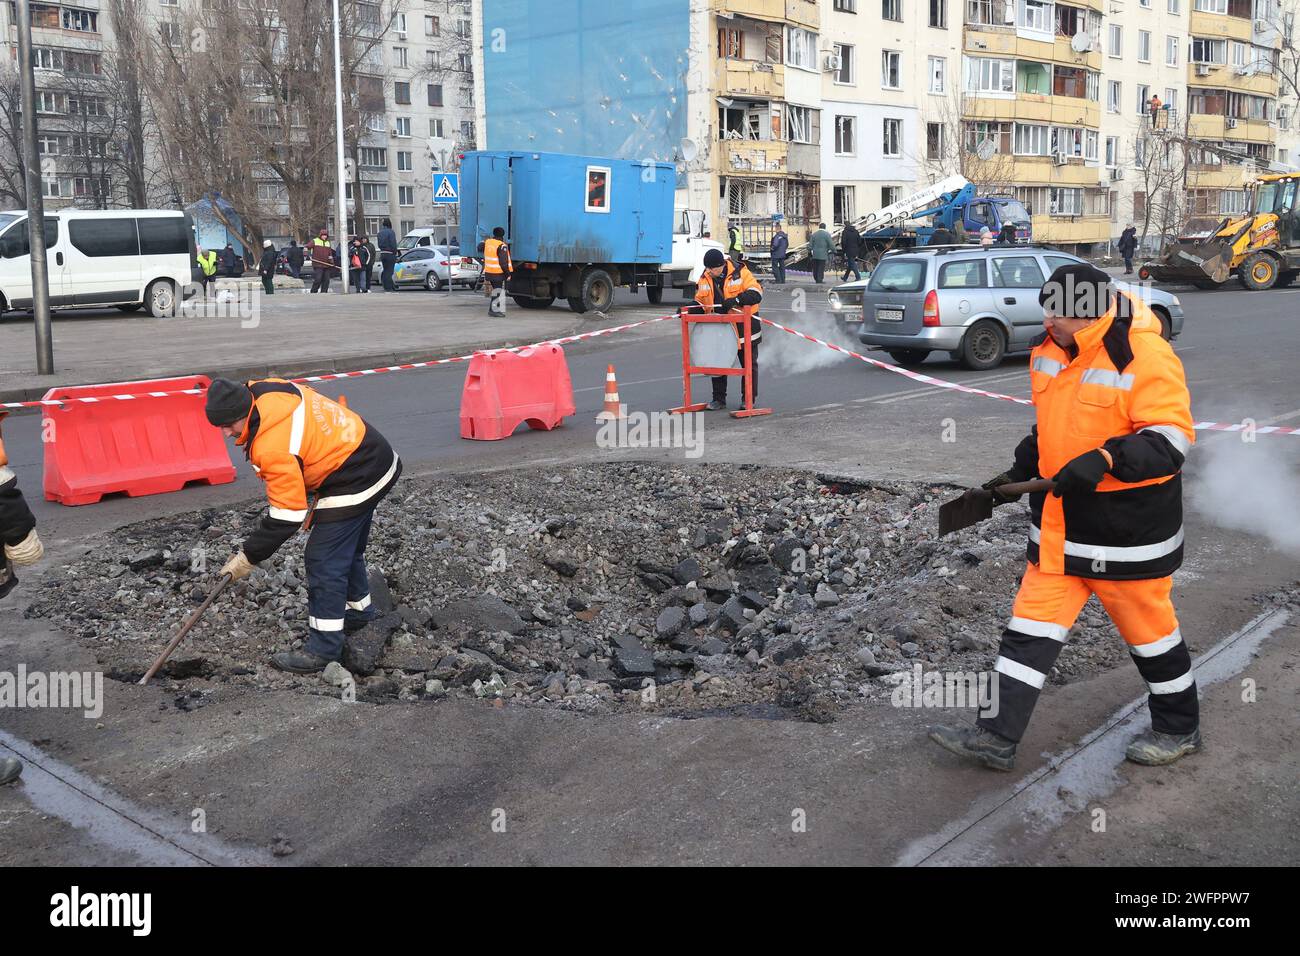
<point>1081,43</point>
<point>689,150</point>
<point>986,149</point>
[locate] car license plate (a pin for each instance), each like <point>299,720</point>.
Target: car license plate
<point>889,315</point>
<point>851,318</point>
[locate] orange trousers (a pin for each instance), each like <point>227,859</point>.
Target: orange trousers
<point>1046,608</point>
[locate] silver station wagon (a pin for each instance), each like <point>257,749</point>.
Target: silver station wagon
<point>978,305</point>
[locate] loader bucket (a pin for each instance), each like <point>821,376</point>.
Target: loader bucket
<point>1193,262</point>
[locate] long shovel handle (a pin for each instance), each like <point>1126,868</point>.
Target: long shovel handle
<point>180,635</point>
<point>1027,487</point>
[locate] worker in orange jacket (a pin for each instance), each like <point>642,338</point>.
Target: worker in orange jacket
<point>302,444</point>
<point>497,269</point>
<point>1114,425</point>
<point>725,287</point>
<point>22,547</point>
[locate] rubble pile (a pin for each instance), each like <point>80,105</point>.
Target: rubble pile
<point>596,588</point>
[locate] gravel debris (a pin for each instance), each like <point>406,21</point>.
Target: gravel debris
<point>599,588</point>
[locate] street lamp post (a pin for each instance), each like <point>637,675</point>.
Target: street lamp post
<point>341,173</point>
<point>35,201</point>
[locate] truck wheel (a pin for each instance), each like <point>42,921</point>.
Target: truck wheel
<point>597,292</point>
<point>909,357</point>
<point>983,346</point>
<point>654,293</point>
<point>1258,272</point>
<point>528,302</point>
<point>160,299</point>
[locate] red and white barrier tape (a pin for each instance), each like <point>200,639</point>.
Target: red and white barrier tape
<point>940,383</point>
<point>307,379</point>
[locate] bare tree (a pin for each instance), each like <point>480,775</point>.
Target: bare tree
<point>13,168</point>
<point>957,153</point>
<point>1161,163</point>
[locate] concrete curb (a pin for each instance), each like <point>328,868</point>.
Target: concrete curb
<point>298,368</point>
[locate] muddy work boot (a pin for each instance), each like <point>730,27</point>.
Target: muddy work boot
<point>11,768</point>
<point>1155,749</point>
<point>977,743</point>
<point>8,580</point>
<point>299,662</point>
<point>716,406</point>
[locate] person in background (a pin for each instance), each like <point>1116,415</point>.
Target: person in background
<point>367,254</point>
<point>497,269</point>
<point>207,260</point>
<point>266,268</point>
<point>986,237</point>
<point>355,270</point>
<point>294,259</point>
<point>851,246</point>
<point>780,245</point>
<point>1127,246</point>
<point>231,264</point>
<point>942,236</point>
<point>735,246</point>
<point>1155,106</point>
<point>387,240</point>
<point>322,262</point>
<point>1006,235</point>
<point>820,246</point>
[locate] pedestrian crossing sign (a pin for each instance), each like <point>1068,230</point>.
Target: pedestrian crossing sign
<point>446,188</point>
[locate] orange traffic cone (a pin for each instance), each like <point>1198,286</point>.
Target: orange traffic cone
<point>613,410</point>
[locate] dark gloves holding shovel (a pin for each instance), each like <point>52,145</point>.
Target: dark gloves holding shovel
<point>1083,473</point>
<point>993,484</point>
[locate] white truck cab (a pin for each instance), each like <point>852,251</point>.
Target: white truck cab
<point>689,246</point>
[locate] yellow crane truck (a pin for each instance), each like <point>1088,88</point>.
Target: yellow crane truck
<point>1261,248</point>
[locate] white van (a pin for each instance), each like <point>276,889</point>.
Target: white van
<point>429,236</point>
<point>126,258</point>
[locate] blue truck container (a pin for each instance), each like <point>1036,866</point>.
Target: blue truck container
<point>578,226</point>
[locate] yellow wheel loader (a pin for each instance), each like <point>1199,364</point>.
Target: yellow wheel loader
<point>1261,248</point>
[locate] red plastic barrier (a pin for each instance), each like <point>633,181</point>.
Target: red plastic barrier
<point>503,389</point>
<point>141,446</point>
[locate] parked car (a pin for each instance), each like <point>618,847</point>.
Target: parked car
<point>845,301</point>
<point>431,236</point>
<point>430,266</point>
<point>128,258</point>
<point>978,305</point>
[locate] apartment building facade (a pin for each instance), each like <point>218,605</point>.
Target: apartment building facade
<point>415,87</point>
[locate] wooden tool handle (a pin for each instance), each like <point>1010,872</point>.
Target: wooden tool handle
<point>180,635</point>
<point>1026,487</point>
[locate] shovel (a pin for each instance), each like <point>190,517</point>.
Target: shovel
<point>189,625</point>
<point>977,504</point>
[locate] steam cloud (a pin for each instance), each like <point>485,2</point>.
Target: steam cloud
<point>786,354</point>
<point>1249,486</point>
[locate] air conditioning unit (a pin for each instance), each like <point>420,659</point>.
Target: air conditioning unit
<point>1058,159</point>
<point>1261,26</point>
<point>1232,123</point>
<point>1117,174</point>
<point>833,62</point>
<point>1202,69</point>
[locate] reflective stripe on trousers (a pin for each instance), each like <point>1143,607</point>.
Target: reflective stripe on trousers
<point>338,585</point>
<point>1045,610</point>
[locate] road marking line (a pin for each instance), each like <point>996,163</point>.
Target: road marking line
<point>1000,377</point>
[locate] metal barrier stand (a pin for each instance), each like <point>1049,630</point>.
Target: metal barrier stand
<point>748,411</point>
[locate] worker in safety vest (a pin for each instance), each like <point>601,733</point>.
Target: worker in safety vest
<point>735,245</point>
<point>302,444</point>
<point>497,269</point>
<point>1114,425</point>
<point>725,287</point>
<point>22,547</point>
<point>207,260</point>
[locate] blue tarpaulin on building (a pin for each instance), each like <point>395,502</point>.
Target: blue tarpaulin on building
<point>592,77</point>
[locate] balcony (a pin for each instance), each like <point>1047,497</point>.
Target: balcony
<point>802,13</point>
<point>1035,108</point>
<point>1042,170</point>
<point>758,156</point>
<point>1203,126</point>
<point>1066,229</point>
<point>750,78</point>
<point>1221,25</point>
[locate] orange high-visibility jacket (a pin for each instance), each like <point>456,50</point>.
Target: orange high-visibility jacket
<point>16,519</point>
<point>1123,390</point>
<point>496,257</point>
<point>736,282</point>
<point>300,442</point>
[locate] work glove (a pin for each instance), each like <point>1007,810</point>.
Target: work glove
<point>994,485</point>
<point>27,551</point>
<point>1082,473</point>
<point>238,567</point>
<point>727,306</point>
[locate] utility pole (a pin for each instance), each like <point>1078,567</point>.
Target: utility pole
<point>341,172</point>
<point>35,201</point>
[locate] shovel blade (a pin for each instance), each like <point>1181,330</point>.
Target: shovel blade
<point>974,506</point>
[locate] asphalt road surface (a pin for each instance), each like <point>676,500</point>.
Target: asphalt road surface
<point>716,790</point>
